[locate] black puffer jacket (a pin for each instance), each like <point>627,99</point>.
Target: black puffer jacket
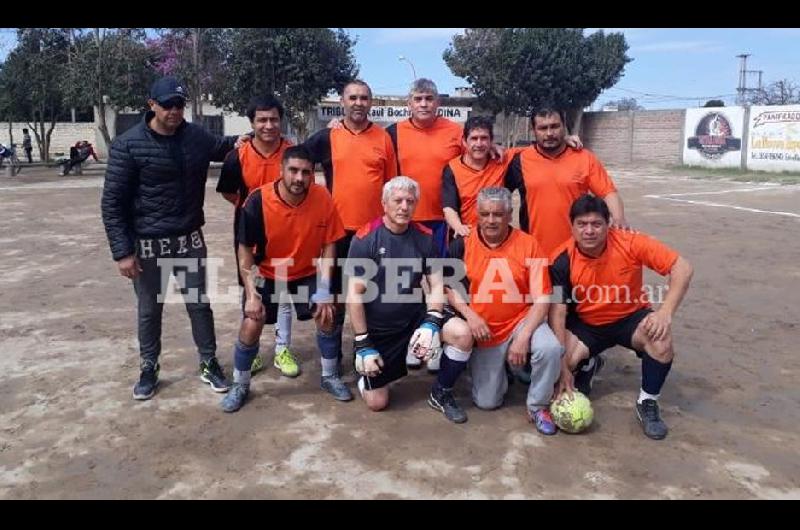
<point>155,185</point>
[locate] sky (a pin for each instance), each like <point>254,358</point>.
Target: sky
<point>671,68</point>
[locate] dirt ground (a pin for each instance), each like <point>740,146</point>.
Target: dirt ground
<point>69,427</point>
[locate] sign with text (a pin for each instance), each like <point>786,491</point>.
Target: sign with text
<point>393,114</point>
<point>713,137</point>
<point>774,141</point>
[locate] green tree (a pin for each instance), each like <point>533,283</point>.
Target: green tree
<point>515,70</point>
<point>33,80</point>
<point>625,104</point>
<point>108,66</point>
<point>299,65</point>
<point>195,56</point>
<point>714,103</point>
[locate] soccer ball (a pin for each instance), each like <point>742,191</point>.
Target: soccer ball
<point>572,415</point>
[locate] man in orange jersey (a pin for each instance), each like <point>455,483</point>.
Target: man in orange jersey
<point>503,307</point>
<point>252,165</point>
<point>357,159</point>
<point>550,175</point>
<point>285,227</point>
<point>597,279</point>
<point>464,176</point>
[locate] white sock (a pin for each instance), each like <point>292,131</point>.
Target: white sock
<point>644,395</point>
<point>361,386</point>
<point>242,377</point>
<point>330,367</point>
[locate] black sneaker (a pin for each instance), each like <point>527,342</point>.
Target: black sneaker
<point>148,381</point>
<point>211,373</point>
<point>584,376</point>
<point>334,385</point>
<point>650,418</point>
<point>443,401</point>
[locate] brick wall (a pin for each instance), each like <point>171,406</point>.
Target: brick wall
<point>640,136</point>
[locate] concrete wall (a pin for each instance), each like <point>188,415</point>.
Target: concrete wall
<point>65,134</point>
<point>635,136</point>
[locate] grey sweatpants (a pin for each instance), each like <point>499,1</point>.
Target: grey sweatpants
<point>155,257</point>
<point>488,370</point>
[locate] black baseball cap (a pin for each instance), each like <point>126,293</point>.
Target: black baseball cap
<point>167,88</point>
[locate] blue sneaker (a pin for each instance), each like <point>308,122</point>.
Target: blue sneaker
<point>336,387</point>
<point>235,398</point>
<point>544,422</point>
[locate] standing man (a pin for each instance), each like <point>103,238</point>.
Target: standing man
<point>425,143</point>
<point>357,159</point>
<point>285,226</point>
<point>392,255</point>
<point>467,174</point>
<point>598,274</point>
<point>247,168</point>
<point>152,209</point>
<point>27,145</point>
<point>504,304</point>
<point>550,175</point>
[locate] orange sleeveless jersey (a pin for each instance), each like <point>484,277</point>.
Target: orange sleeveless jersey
<point>298,231</point>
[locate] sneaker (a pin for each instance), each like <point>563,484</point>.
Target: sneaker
<point>412,361</point>
<point>235,398</point>
<point>148,381</point>
<point>443,401</point>
<point>584,376</point>
<point>258,364</point>
<point>650,418</point>
<point>286,363</point>
<point>543,421</point>
<point>211,373</point>
<point>334,385</point>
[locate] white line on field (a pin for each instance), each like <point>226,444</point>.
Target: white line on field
<point>719,205</point>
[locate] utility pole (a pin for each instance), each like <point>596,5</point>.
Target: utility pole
<point>742,88</point>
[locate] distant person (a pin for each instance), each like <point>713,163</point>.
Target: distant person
<point>27,145</point>
<point>78,155</point>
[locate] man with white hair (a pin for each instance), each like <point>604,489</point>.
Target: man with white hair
<point>391,317</point>
<point>504,305</point>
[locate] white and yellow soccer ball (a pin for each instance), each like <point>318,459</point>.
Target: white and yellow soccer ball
<point>572,415</point>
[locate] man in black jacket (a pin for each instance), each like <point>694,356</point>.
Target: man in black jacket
<point>153,213</point>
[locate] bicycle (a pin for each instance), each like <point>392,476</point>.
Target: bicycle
<point>10,154</point>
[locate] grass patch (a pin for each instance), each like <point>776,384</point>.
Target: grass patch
<point>738,175</point>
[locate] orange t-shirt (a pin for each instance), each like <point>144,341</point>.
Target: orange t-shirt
<point>246,169</point>
<point>605,289</point>
<point>503,282</point>
<point>549,186</point>
<point>422,155</point>
<point>461,185</point>
<point>356,166</point>
<point>279,230</point>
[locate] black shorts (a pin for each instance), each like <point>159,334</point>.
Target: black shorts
<point>393,347</point>
<point>600,338</point>
<point>301,301</point>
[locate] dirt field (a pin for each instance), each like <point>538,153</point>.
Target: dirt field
<point>69,427</point>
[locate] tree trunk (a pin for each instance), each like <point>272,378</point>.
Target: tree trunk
<point>102,125</point>
<point>10,132</point>
<point>575,117</point>
<point>197,105</point>
<point>50,132</point>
